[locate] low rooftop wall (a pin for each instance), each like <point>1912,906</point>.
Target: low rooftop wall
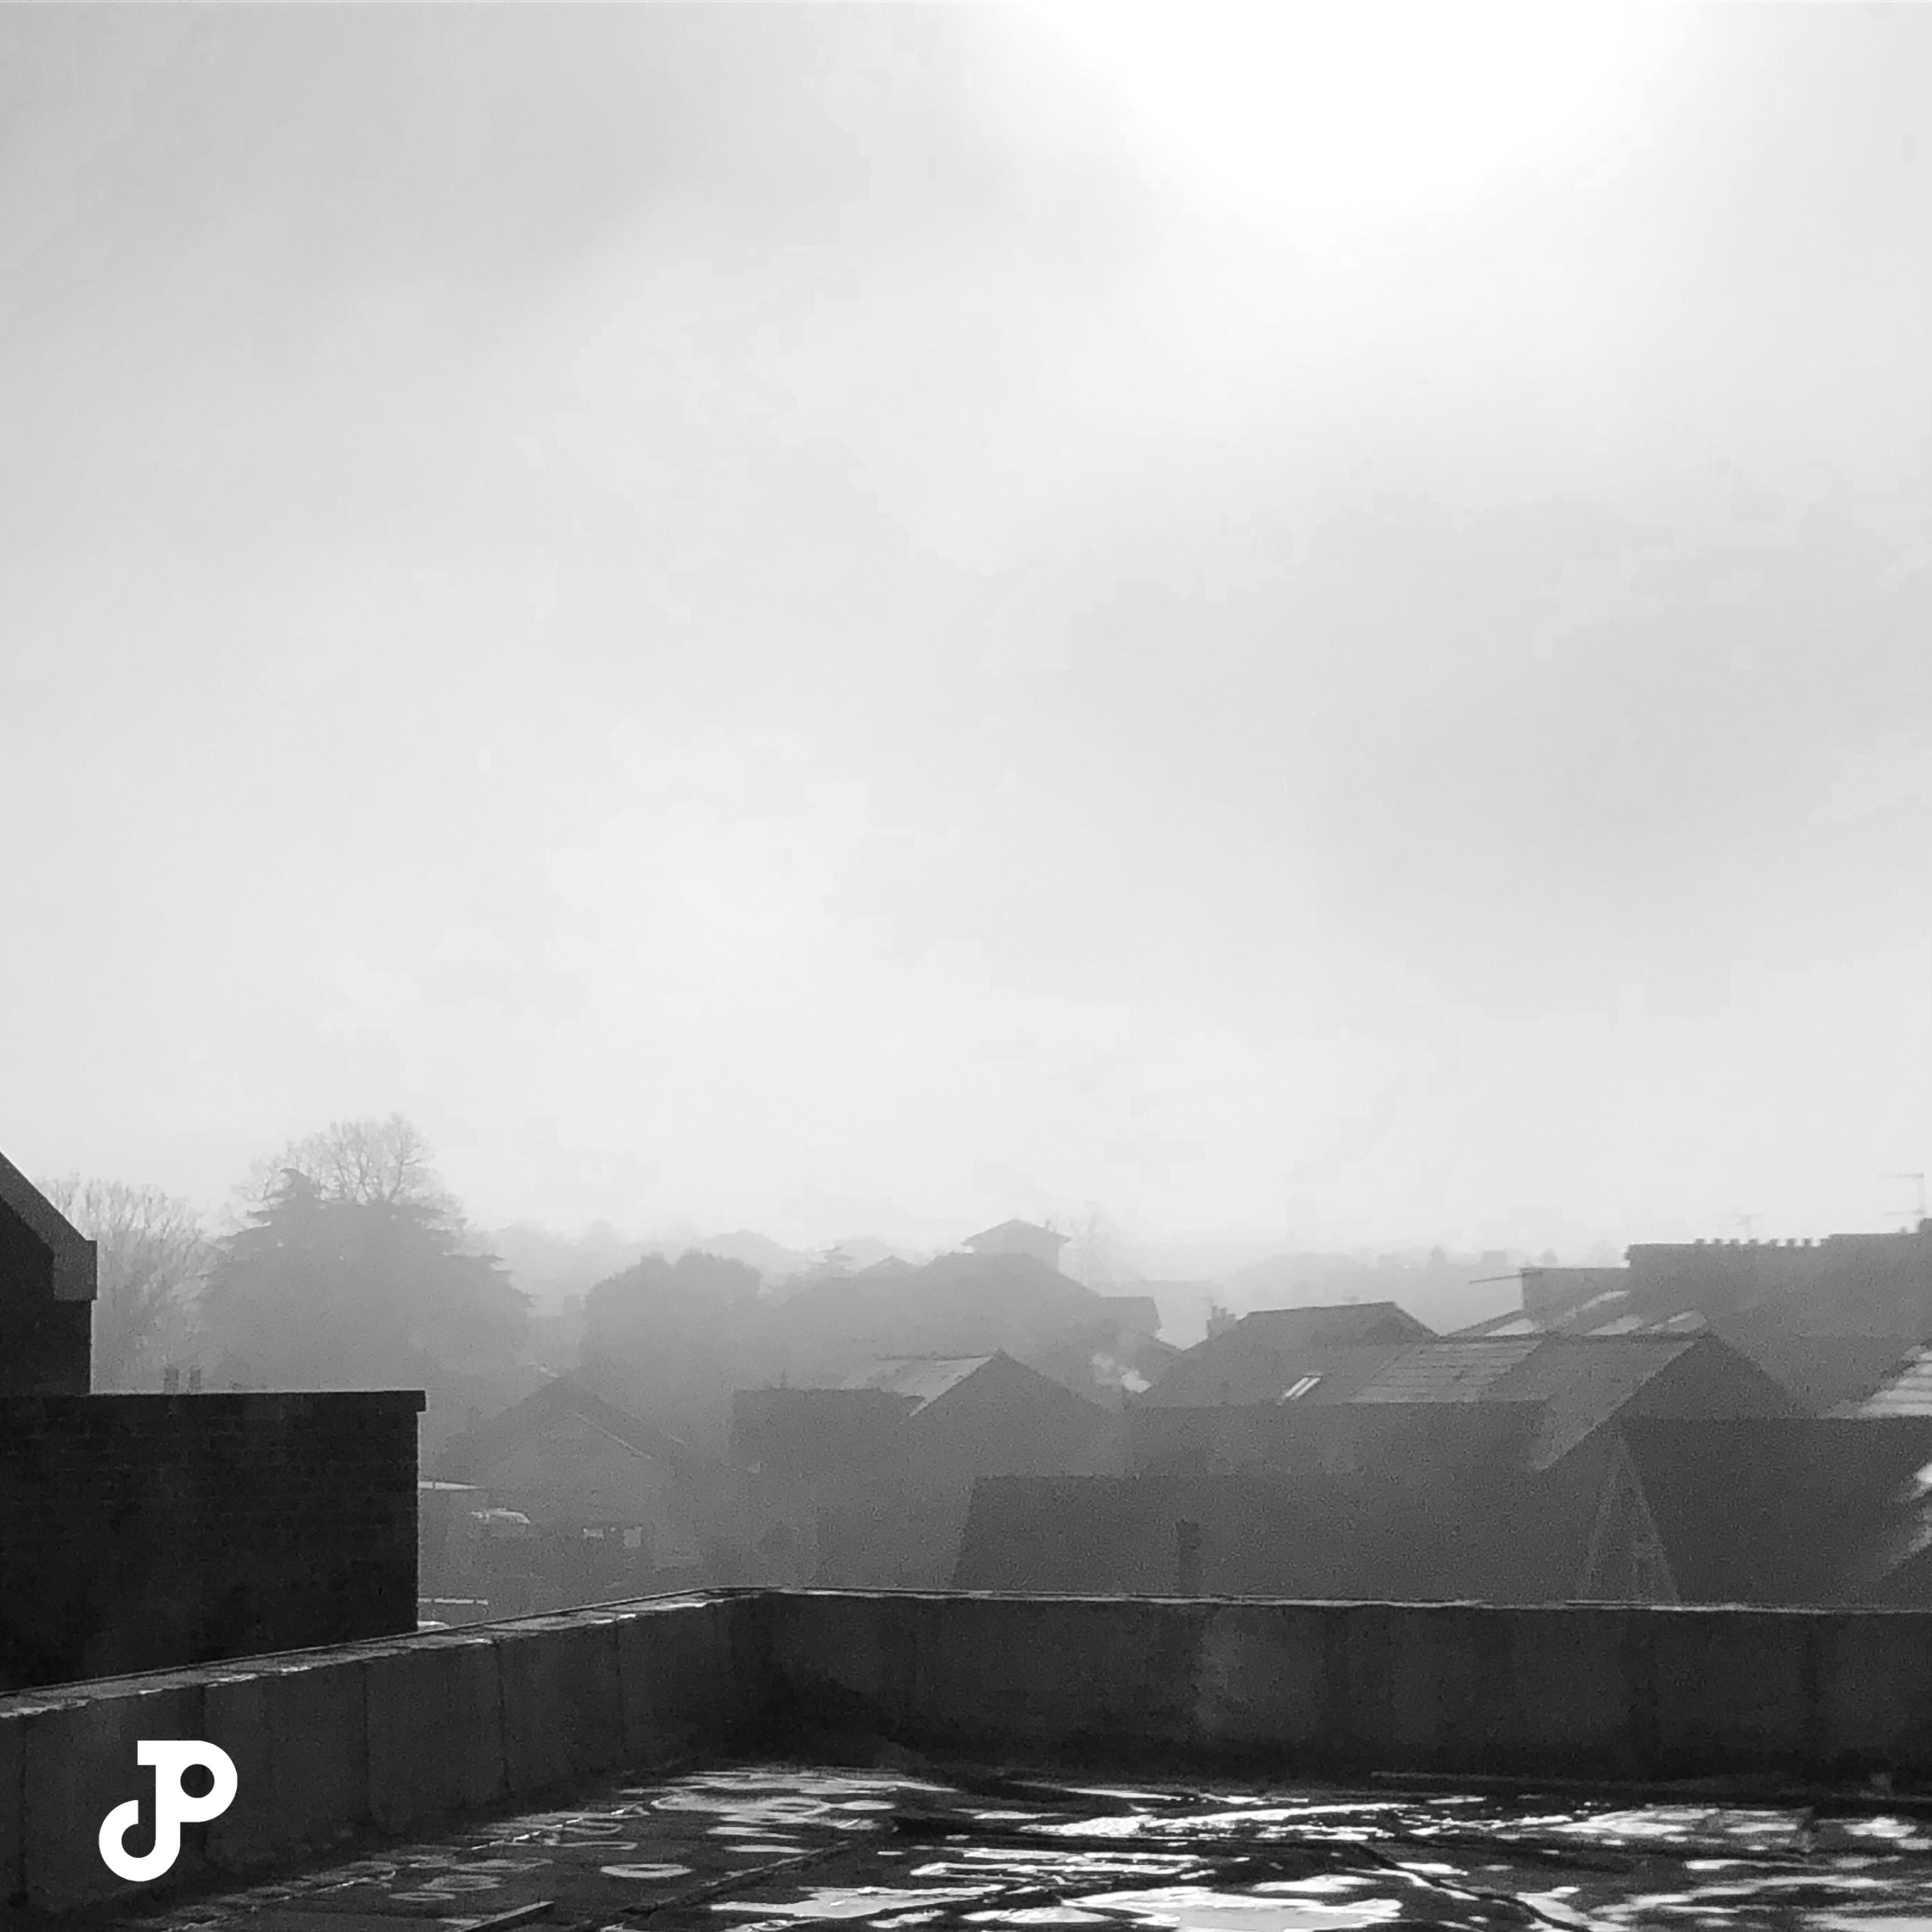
<point>396,1736</point>
<point>329,1744</point>
<point>1579,1691</point>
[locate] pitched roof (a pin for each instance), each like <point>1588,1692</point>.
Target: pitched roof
<point>1264,1354</point>
<point>1015,1228</point>
<point>1829,1374</point>
<point>75,1271</point>
<point>1515,1322</point>
<point>499,1435</point>
<point>1344,1325</point>
<point>1582,1382</point>
<point>1448,1371</point>
<point>1808,1509</point>
<point>922,1378</point>
<point>1578,1382</point>
<point>1906,1391</point>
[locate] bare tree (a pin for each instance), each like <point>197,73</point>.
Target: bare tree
<point>372,1163</point>
<point>152,1259</point>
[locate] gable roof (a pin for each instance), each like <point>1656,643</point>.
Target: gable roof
<point>920,1379</point>
<point>1582,1382</point>
<point>1808,1509</point>
<point>1907,1390</point>
<point>1579,1383</point>
<point>1614,1312</point>
<point>75,1267</point>
<point>1264,1354</point>
<point>1448,1371</point>
<point>1016,1227</point>
<point>1343,1325</point>
<point>500,1434</point>
<point>1828,1374</point>
<point>1573,1384</point>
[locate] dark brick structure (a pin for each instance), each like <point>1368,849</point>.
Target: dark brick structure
<point>47,1290</point>
<point>138,1532</point>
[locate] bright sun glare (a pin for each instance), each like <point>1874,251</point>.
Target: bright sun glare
<point>1333,116</point>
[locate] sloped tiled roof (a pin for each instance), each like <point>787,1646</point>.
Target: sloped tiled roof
<point>501,1434</point>
<point>922,1378</point>
<point>1265,1353</point>
<point>1340,1375</point>
<point>1342,1325</point>
<point>1829,1374</point>
<point>1577,1383</point>
<point>1608,1314</point>
<point>1907,1391</point>
<point>1514,1323</point>
<point>1582,1381</point>
<point>1448,1371</point>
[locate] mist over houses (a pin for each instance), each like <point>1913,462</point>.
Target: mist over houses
<point>1709,1422</point>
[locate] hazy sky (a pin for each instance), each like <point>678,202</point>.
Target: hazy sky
<point>844,619</point>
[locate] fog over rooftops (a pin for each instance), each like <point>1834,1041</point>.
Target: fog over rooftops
<point>924,1378</point>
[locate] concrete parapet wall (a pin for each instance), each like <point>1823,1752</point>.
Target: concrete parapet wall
<point>380,1737</point>
<point>1573,1691</point>
<point>400,1735</point>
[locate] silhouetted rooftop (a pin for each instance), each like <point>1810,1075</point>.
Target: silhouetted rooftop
<point>1264,1354</point>
<point>1787,1510</point>
<point>921,1378</point>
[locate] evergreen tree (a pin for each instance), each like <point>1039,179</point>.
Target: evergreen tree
<point>344,1277</point>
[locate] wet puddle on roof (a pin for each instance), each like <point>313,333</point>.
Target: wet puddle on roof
<point>773,1849</point>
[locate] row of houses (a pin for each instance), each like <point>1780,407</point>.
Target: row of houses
<point>1714,1422</point>
<point>1312,1452</point>
<point>1327,1452</point>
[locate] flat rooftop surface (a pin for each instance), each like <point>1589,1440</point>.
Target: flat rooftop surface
<point>783,1849</point>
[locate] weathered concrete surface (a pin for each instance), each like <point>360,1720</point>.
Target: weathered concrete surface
<point>563,1701</point>
<point>298,1730</point>
<point>435,1727</point>
<point>79,1763</point>
<point>1582,1691</point>
<point>385,1737</point>
<point>405,1735</point>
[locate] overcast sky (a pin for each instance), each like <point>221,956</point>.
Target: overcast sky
<point>848,619</point>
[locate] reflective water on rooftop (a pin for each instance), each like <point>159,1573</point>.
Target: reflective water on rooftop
<point>768,1849</point>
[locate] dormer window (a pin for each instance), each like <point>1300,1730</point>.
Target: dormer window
<point>1299,1388</point>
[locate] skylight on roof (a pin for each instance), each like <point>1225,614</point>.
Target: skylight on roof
<point>1299,1388</point>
